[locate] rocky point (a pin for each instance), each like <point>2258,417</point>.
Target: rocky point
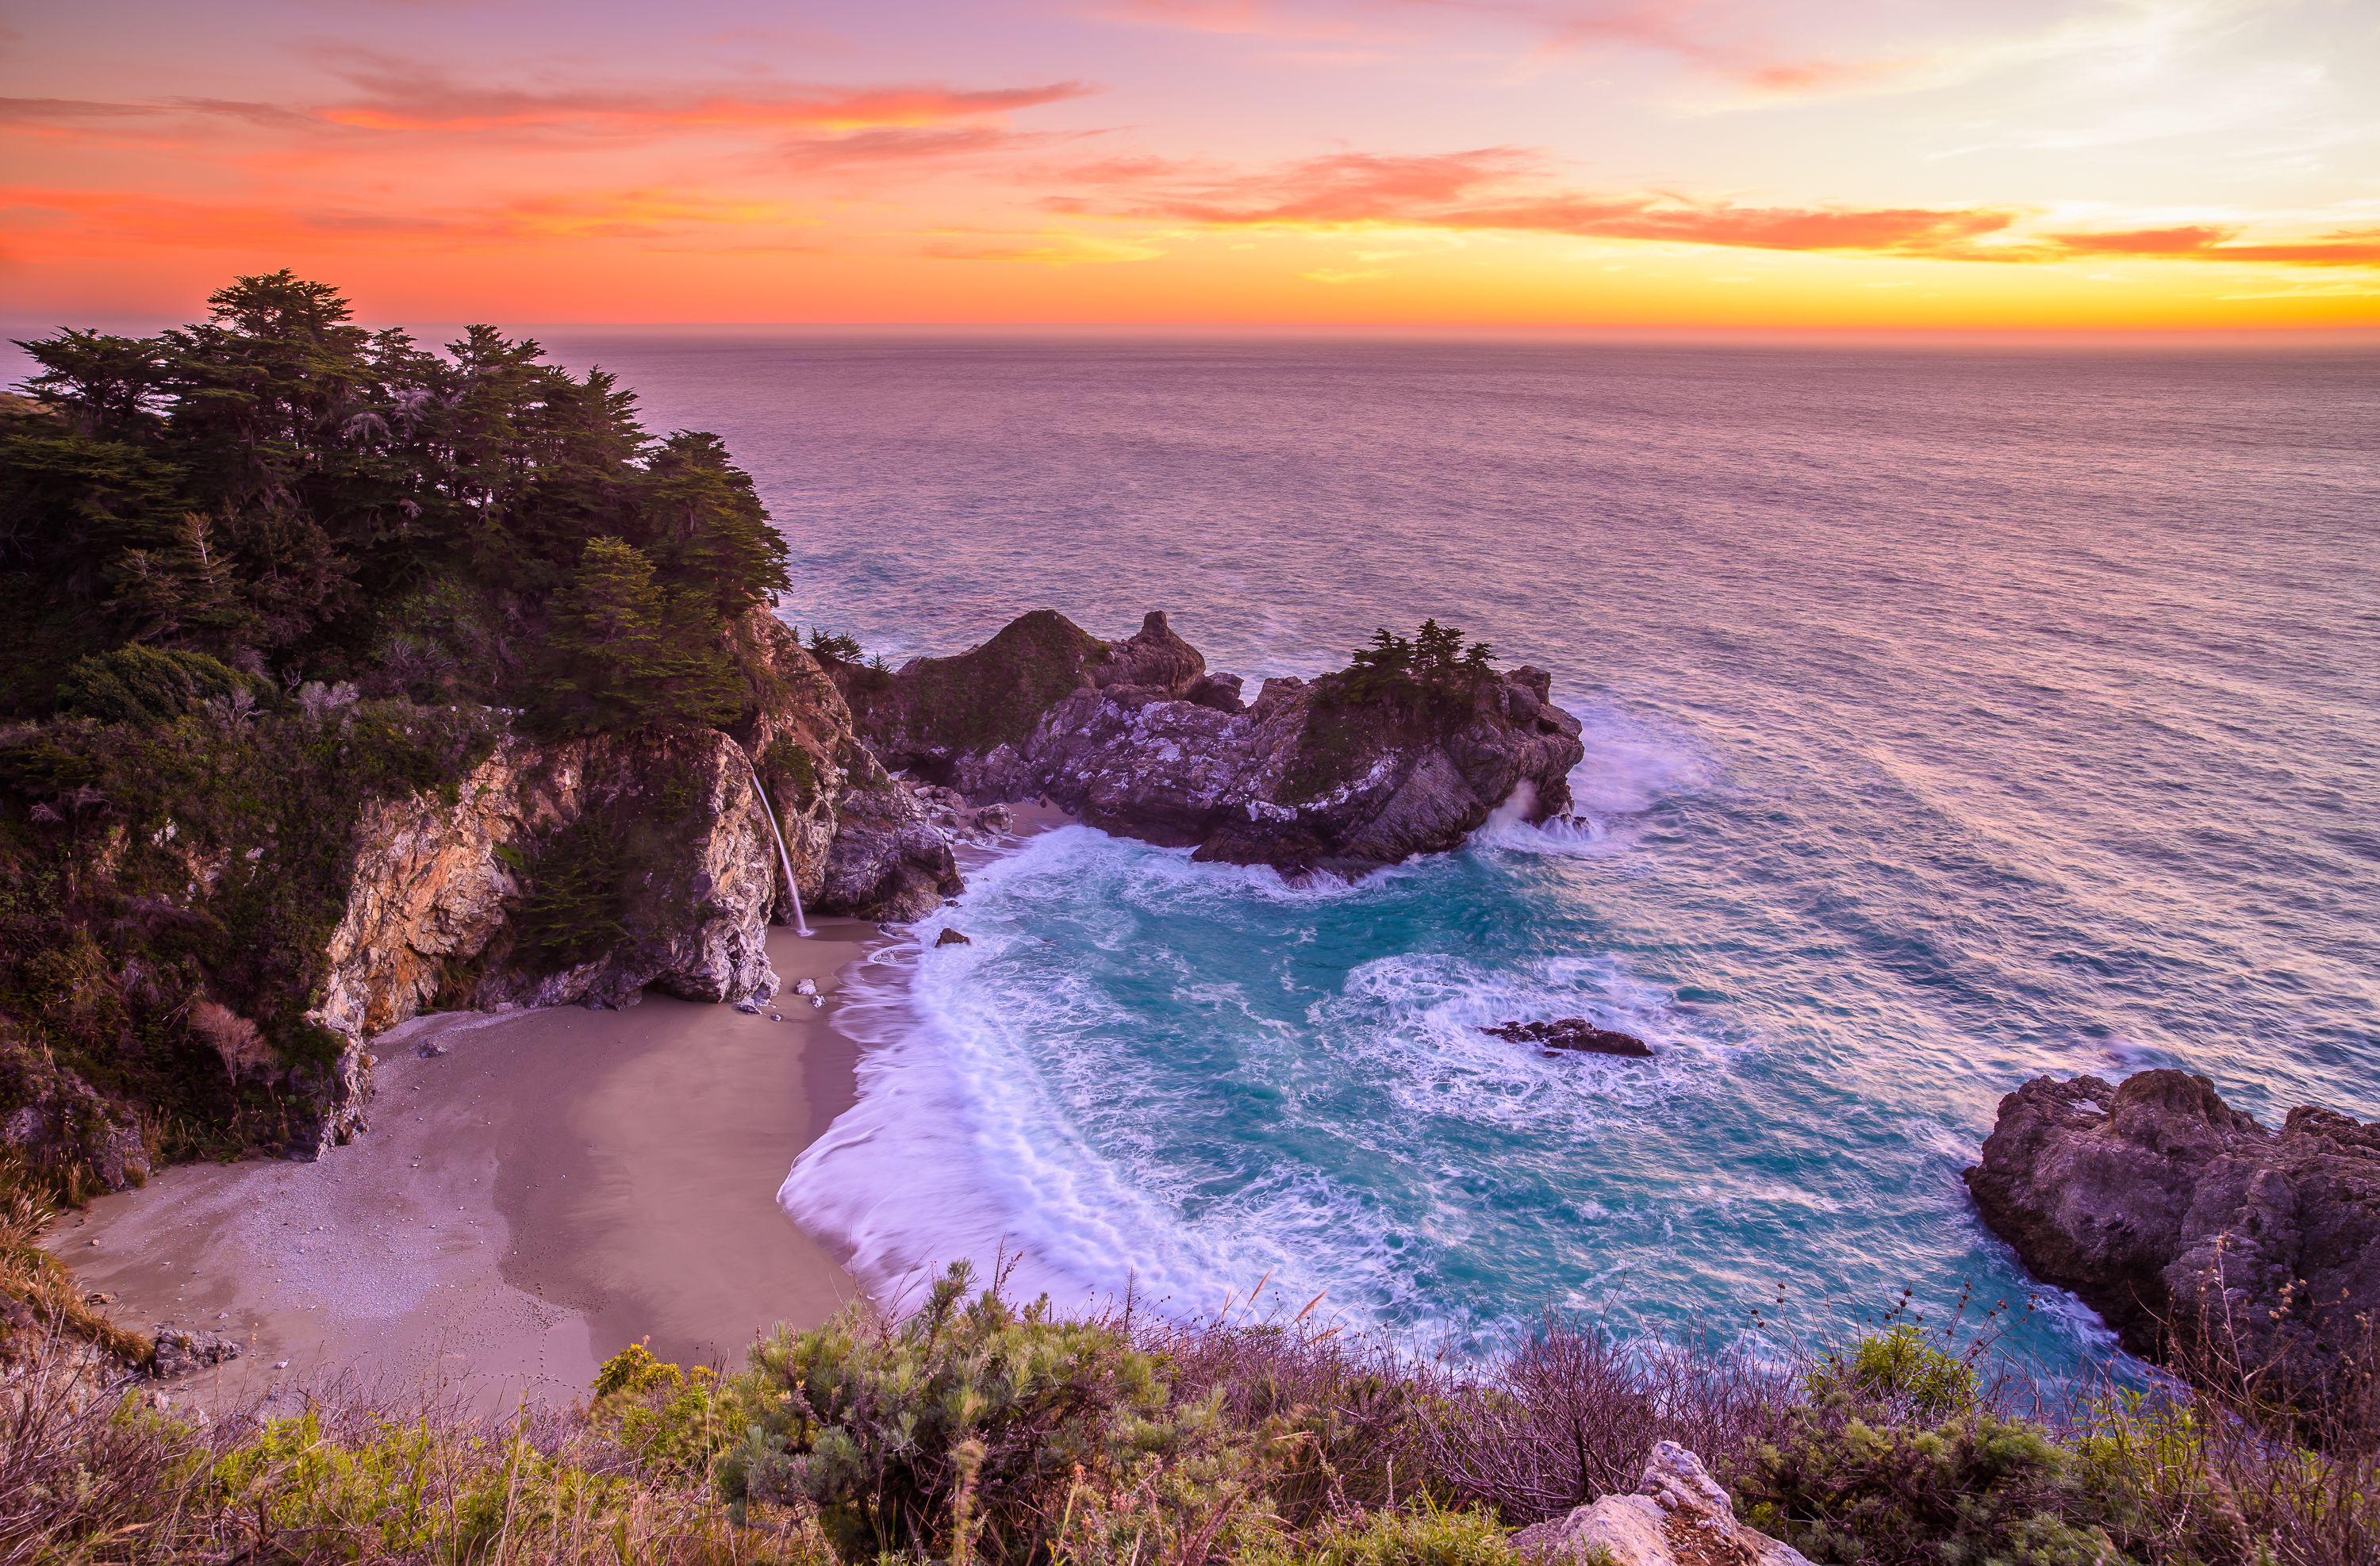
<point>2203,1237</point>
<point>1137,737</point>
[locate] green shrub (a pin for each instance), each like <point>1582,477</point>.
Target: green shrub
<point>967,1428</point>
<point>1423,1536</point>
<point>148,685</point>
<point>673,1421</point>
<point>1898,1365</point>
<point>1976,1489</point>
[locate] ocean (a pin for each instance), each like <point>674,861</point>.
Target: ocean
<point>1952,717</point>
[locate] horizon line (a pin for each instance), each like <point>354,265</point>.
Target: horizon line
<point>2340,336</point>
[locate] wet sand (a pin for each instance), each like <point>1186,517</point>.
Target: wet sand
<point>556,1185</point>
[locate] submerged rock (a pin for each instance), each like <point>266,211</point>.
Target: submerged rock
<point>952,938</point>
<point>1336,774</point>
<point>2202,1238</point>
<point>1679,1516</point>
<point>1573,1034</point>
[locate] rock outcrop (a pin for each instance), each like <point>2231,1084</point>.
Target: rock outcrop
<point>861,840</point>
<point>180,1351</point>
<point>2202,1237</point>
<point>59,1127</point>
<point>1136,737</point>
<point>590,870</point>
<point>1679,1516</point>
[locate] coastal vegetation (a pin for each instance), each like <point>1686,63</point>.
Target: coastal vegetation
<point>975,1430</point>
<point>267,569</point>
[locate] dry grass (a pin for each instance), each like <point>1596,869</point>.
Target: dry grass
<point>37,1294</point>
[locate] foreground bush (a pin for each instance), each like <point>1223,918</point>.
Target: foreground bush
<point>90,1472</point>
<point>975,1430</point>
<point>972,1427</point>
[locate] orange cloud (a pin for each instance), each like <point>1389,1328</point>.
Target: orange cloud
<point>1489,188</point>
<point>1505,189</point>
<point>2342,247</point>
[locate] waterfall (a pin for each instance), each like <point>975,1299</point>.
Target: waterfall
<point>801,924</point>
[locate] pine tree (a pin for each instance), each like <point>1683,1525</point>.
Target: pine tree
<point>623,654</point>
<point>709,533</point>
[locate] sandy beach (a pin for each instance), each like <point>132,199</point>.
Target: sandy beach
<point>555,1185</point>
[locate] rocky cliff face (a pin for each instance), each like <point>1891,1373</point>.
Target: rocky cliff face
<point>2202,1236</point>
<point>860,841</point>
<point>587,871</point>
<point>440,884</point>
<point>1136,737</point>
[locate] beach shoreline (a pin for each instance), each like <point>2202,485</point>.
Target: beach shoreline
<point>538,1192</point>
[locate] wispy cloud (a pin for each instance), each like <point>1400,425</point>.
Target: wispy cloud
<point>1726,38</point>
<point>146,217</point>
<point>1503,188</point>
<point>1510,189</point>
<point>1051,248</point>
<point>398,97</point>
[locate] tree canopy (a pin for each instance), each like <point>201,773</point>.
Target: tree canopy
<point>297,497</point>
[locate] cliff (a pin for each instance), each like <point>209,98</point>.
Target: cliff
<point>1342,774</point>
<point>204,921</point>
<point>586,870</point>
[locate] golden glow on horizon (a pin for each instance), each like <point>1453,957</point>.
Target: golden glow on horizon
<point>2058,165</point>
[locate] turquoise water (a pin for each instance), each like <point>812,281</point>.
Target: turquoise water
<point>1951,719</point>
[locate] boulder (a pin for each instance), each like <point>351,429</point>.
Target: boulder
<point>2204,1238</point>
<point>1335,775</point>
<point>1220,692</point>
<point>1573,1034</point>
<point>180,1352</point>
<point>1679,1516</point>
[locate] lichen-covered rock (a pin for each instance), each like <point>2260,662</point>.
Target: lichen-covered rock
<point>2200,1235</point>
<point>1679,1516</point>
<point>887,859</point>
<point>1137,737</point>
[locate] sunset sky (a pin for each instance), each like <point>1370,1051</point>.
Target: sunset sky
<point>1928,164</point>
